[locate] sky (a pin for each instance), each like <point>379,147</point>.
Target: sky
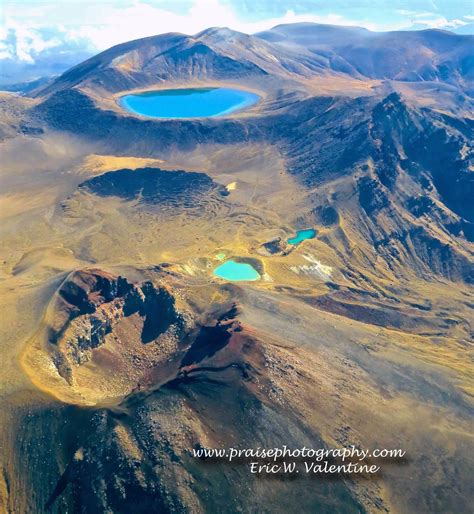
<point>33,32</point>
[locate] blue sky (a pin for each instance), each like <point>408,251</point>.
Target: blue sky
<point>33,31</point>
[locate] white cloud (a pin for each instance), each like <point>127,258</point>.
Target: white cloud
<point>22,43</point>
<point>142,20</point>
<point>432,20</point>
<point>440,22</point>
<point>405,12</point>
<point>424,14</point>
<point>115,25</point>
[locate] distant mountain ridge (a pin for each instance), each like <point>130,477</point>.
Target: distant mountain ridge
<point>425,55</point>
<point>286,52</point>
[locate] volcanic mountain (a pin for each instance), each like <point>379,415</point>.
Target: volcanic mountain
<point>286,51</point>
<point>358,336</point>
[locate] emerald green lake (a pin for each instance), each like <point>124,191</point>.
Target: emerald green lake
<point>236,271</point>
<point>301,235</point>
<point>188,103</point>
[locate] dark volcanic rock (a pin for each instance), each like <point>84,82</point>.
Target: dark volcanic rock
<point>372,197</point>
<point>275,246</point>
<point>326,216</point>
<point>154,186</point>
<point>420,205</point>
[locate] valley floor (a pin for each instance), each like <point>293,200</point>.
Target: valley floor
<point>328,349</point>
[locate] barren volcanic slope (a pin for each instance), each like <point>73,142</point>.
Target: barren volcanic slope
<point>123,350</point>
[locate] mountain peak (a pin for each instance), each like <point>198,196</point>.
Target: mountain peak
<point>312,25</point>
<point>219,32</point>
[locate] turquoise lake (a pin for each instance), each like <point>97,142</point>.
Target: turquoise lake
<point>301,235</point>
<point>188,103</point>
<point>236,271</point>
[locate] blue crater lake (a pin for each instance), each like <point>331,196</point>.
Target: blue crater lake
<point>301,235</point>
<point>188,103</point>
<point>236,271</point>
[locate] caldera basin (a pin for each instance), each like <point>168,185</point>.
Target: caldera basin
<point>188,103</point>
